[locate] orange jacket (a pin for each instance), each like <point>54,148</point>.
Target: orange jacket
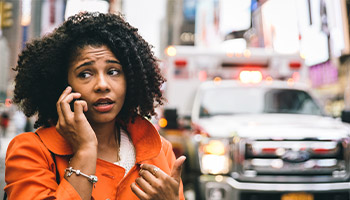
<point>31,173</point>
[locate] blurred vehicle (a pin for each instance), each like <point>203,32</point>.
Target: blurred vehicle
<point>252,136</point>
<point>266,141</point>
<point>186,67</point>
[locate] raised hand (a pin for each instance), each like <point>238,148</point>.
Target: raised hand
<point>74,126</point>
<point>155,184</point>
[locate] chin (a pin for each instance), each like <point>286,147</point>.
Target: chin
<point>102,119</point>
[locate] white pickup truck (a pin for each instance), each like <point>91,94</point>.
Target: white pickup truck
<point>265,141</point>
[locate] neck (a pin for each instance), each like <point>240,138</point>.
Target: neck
<point>106,134</point>
<point>108,141</point>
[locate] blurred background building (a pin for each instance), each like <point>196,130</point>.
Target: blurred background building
<point>317,29</point>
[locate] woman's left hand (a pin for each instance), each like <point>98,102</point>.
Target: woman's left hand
<point>154,184</point>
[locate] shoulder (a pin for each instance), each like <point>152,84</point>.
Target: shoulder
<point>27,138</point>
<point>26,144</point>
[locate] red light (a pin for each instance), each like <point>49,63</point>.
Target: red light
<point>268,150</point>
<point>321,151</point>
<point>180,63</point>
<point>294,65</point>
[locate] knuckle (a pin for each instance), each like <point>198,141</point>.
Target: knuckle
<point>151,194</point>
<point>69,122</point>
<point>137,180</point>
<point>154,193</point>
<point>167,179</point>
<point>60,124</point>
<point>78,119</point>
<point>157,186</point>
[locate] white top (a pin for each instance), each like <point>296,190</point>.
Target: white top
<point>126,152</point>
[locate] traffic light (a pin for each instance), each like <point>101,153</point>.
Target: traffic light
<point>6,14</point>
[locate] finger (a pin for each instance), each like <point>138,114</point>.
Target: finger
<point>80,106</point>
<point>63,95</point>
<point>61,118</point>
<point>177,168</point>
<point>138,192</point>
<point>144,185</point>
<point>148,176</point>
<point>65,104</point>
<point>153,170</point>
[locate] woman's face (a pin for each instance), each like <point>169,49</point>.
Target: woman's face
<point>98,76</point>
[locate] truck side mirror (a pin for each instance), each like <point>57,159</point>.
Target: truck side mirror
<point>345,116</point>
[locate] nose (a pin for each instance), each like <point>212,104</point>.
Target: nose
<point>102,84</point>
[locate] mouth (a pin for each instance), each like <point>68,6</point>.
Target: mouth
<point>103,105</point>
<point>103,102</point>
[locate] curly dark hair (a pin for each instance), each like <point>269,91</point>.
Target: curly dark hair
<point>43,65</point>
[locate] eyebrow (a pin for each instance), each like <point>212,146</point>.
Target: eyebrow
<point>91,62</point>
<point>113,61</point>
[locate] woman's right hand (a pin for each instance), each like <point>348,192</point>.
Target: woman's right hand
<point>74,126</point>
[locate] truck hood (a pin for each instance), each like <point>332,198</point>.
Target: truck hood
<point>274,126</point>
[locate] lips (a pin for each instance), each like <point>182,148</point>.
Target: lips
<point>103,105</point>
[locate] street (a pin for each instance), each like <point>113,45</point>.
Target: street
<point>4,141</point>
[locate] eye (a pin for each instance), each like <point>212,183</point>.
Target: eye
<point>113,72</point>
<point>84,74</point>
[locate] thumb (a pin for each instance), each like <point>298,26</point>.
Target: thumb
<point>177,168</point>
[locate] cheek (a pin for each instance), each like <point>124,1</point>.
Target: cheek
<point>122,87</point>
<point>122,92</point>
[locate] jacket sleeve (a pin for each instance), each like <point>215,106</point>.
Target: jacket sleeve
<point>168,150</point>
<point>29,172</point>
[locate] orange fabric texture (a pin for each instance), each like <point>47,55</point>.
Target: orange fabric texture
<point>31,173</point>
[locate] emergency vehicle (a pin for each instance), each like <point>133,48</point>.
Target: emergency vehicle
<point>185,67</point>
<point>255,131</point>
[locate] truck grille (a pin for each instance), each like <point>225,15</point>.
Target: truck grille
<point>324,159</point>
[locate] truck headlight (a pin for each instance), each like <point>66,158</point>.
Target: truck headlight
<point>214,157</point>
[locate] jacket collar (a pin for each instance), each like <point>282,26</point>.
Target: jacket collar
<point>143,134</point>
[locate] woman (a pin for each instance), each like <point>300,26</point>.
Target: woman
<point>92,141</point>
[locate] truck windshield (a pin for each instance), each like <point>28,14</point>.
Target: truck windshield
<point>228,101</point>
